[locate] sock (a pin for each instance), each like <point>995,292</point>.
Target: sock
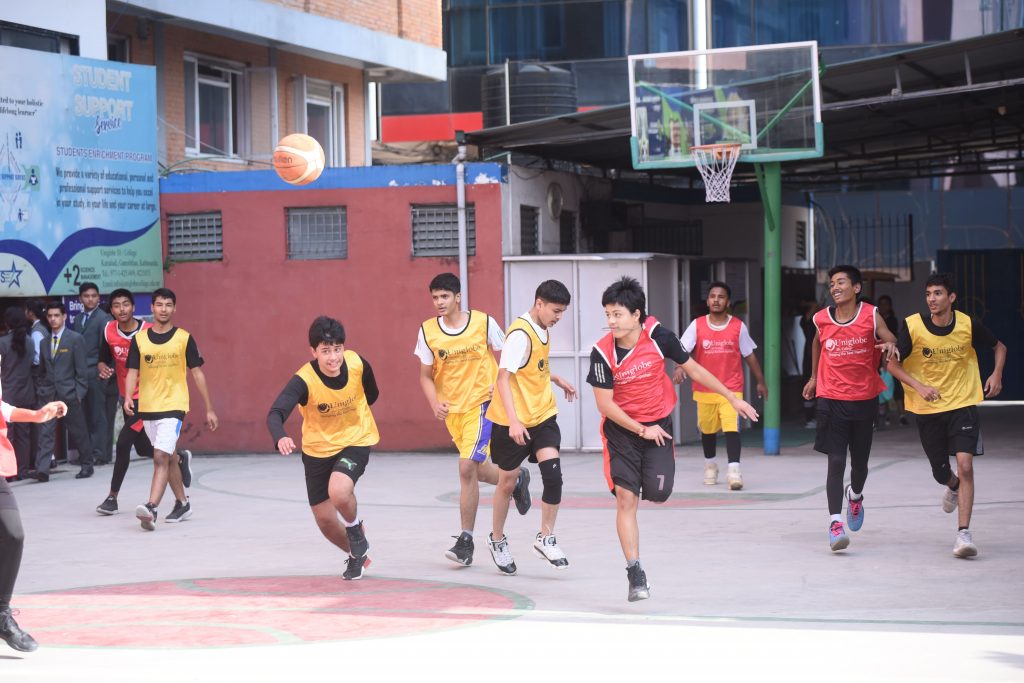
<point>836,518</point>
<point>466,531</point>
<point>349,524</point>
<point>734,466</point>
<point>961,528</point>
<point>853,496</point>
<point>632,563</point>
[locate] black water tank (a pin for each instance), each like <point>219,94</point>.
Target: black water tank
<point>536,91</point>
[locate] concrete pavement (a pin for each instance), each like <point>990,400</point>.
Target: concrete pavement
<point>743,583</point>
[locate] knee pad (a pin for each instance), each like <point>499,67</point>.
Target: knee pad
<point>942,473</point>
<point>551,476</point>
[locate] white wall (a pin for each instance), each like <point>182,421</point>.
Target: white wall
<point>530,187</point>
<point>86,19</point>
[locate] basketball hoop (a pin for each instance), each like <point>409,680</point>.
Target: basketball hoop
<point>715,163</point>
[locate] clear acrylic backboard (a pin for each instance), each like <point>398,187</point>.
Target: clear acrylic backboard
<point>764,97</point>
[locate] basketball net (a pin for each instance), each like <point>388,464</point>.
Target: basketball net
<point>715,163</point>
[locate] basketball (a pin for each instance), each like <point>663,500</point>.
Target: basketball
<point>298,159</point>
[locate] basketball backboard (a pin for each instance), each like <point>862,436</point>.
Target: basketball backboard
<point>765,97</point>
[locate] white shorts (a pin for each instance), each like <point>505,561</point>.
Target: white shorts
<point>163,433</point>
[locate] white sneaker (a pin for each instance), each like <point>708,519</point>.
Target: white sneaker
<point>964,546</point>
<point>734,478</point>
<point>710,473</point>
<point>950,499</point>
<point>547,548</point>
<point>501,555</point>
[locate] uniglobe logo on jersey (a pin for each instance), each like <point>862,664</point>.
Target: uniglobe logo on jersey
<point>148,358</point>
<point>830,345</point>
<point>926,352</point>
<point>540,365</point>
<point>442,354</point>
<point>706,344</point>
<point>323,407</point>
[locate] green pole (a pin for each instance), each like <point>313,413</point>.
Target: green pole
<point>769,181</point>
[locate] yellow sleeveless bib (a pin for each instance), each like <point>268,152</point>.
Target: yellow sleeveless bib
<point>162,383</point>
<point>464,368</point>
<point>335,419</point>
<point>532,396</point>
<point>947,363</point>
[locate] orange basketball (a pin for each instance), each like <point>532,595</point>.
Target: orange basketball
<point>298,159</point>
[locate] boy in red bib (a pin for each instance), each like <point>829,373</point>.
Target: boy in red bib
<point>850,344</point>
<point>720,343</point>
<point>635,396</point>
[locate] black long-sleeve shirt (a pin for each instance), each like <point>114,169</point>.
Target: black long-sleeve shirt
<point>296,393</point>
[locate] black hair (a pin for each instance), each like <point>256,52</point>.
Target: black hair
<point>38,308</point>
<point>165,293</point>
<point>628,293</point>
<point>447,282</point>
<point>17,324</point>
<point>850,271</point>
<point>945,280</point>
<point>121,293</point>
<point>885,297</point>
<point>721,285</point>
<point>86,286</point>
<point>553,292</point>
<point>56,304</point>
<point>326,330</point>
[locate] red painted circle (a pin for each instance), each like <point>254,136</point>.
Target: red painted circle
<point>256,611</point>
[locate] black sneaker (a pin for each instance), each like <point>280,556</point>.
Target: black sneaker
<point>180,513</point>
<point>12,634</point>
<point>355,567</point>
<point>462,551</point>
<point>639,589</point>
<point>521,493</point>
<point>108,506</point>
<point>185,463</point>
<point>357,542</point>
<point>146,514</point>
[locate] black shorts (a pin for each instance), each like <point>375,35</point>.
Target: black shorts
<point>508,455</point>
<point>349,461</point>
<point>845,425</point>
<point>950,432</point>
<point>639,465</point>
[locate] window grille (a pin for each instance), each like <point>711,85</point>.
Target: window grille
<point>435,230</point>
<point>195,237</point>
<point>317,233</point>
<point>529,234</point>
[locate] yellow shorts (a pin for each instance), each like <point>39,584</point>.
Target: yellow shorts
<point>471,432</point>
<point>716,414</point>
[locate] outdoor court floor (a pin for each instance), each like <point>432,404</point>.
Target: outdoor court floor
<point>744,586</point>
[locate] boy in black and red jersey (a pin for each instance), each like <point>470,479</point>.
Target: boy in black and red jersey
<point>850,344</point>
<point>636,397</point>
<point>117,338</point>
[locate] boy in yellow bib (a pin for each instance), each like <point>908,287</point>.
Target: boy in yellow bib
<point>159,358</point>
<point>943,388</point>
<point>457,374</point>
<point>333,392</point>
<point>525,426</point>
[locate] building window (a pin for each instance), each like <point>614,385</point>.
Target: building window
<point>32,38</point>
<point>319,112</point>
<point>117,48</point>
<point>567,235</point>
<point>801,240</point>
<point>211,108</point>
<point>435,230</point>
<point>317,233</point>
<point>195,237</point>
<point>529,233</point>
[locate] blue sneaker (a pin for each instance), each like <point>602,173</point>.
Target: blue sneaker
<point>837,538</point>
<point>854,511</point>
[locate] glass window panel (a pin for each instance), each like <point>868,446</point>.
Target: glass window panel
<point>190,105</point>
<point>214,110</point>
<point>465,34</point>
<point>318,124</point>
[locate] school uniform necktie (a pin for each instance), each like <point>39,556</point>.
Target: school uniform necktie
<point>53,350</point>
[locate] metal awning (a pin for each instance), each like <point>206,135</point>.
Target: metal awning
<point>947,109</point>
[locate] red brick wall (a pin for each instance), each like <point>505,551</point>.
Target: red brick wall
<point>417,20</point>
<point>250,312</point>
